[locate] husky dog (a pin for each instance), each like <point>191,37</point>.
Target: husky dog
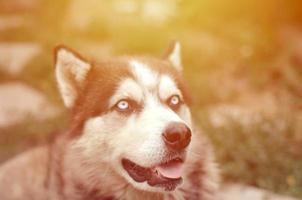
<point>130,137</point>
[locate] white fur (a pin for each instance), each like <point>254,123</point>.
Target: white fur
<point>128,88</point>
<point>69,66</point>
<point>144,74</point>
<point>175,56</point>
<point>168,87</point>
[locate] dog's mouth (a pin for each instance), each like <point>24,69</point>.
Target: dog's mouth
<point>166,175</point>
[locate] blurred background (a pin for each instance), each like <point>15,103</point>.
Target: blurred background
<point>243,63</point>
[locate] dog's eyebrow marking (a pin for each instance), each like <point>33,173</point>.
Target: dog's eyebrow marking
<point>128,88</point>
<point>144,74</point>
<point>167,87</point>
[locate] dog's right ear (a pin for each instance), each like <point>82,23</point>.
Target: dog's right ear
<point>173,54</point>
<point>71,71</point>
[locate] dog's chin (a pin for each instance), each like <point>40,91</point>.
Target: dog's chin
<point>165,176</point>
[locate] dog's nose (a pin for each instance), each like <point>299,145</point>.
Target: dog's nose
<point>177,136</point>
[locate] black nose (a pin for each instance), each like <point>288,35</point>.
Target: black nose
<point>177,136</point>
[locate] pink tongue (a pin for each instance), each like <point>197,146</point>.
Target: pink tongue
<point>170,170</point>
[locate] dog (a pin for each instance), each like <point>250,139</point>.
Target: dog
<point>130,136</point>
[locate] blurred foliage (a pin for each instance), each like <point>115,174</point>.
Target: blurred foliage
<point>243,63</point>
<point>17,138</point>
<point>261,152</point>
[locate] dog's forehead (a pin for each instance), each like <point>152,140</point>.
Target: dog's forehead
<point>132,76</point>
<point>144,74</point>
<point>145,80</point>
<point>148,72</point>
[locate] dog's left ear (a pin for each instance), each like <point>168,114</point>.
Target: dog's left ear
<point>174,55</point>
<point>71,72</point>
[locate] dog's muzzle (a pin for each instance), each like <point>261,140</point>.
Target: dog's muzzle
<point>168,174</point>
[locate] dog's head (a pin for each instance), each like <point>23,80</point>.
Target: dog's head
<point>131,113</point>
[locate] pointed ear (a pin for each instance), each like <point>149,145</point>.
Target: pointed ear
<point>71,71</point>
<point>174,55</point>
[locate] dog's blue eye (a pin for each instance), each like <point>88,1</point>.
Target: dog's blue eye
<point>127,106</point>
<point>123,105</point>
<point>174,101</point>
